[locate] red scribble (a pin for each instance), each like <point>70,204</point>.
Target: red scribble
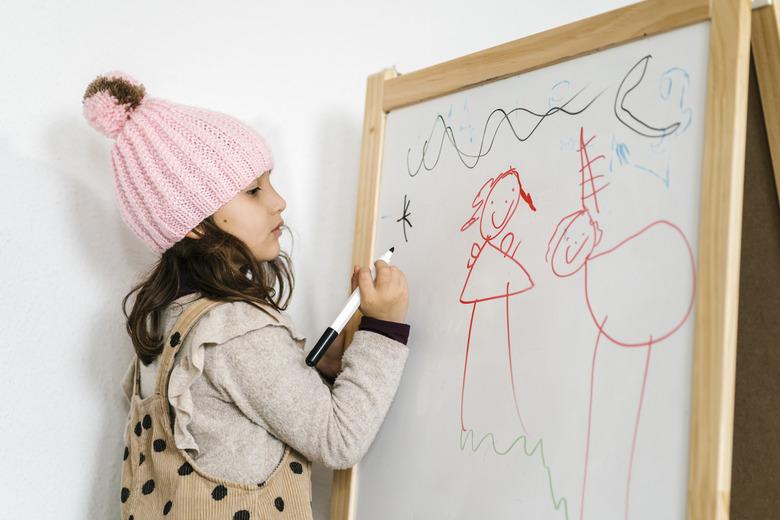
<point>507,188</point>
<point>572,246</point>
<point>586,163</point>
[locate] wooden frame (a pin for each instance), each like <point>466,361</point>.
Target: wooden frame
<point>721,204</point>
<point>765,43</point>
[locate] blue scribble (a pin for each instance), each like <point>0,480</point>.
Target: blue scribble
<point>670,78</point>
<point>621,151</point>
<point>674,79</point>
<point>558,93</point>
<point>568,144</point>
<point>663,177</point>
<point>468,126</point>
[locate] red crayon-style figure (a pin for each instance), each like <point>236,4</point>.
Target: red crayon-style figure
<point>621,284</point>
<point>493,271</point>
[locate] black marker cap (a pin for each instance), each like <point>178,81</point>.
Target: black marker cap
<point>322,345</point>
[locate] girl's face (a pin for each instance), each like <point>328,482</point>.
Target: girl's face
<point>252,215</point>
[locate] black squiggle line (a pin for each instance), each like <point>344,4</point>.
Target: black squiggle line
<point>451,136</point>
<point>659,132</point>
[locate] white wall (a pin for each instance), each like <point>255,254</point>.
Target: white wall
<point>294,72</point>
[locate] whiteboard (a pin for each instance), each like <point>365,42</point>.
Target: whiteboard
<point>547,226</point>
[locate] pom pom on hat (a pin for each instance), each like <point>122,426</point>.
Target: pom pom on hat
<point>109,100</point>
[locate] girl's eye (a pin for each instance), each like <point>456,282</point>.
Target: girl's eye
<point>253,191</point>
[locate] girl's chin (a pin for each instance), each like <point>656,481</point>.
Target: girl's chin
<point>271,252</point>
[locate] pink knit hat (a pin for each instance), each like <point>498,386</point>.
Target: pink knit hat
<point>174,165</point>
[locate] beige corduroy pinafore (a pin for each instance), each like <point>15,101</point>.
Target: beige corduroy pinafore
<point>161,481</point>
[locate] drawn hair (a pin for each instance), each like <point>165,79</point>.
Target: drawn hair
<point>479,199</point>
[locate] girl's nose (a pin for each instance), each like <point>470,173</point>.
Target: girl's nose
<point>281,204</point>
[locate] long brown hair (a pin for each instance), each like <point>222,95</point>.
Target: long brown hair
<point>216,265</point>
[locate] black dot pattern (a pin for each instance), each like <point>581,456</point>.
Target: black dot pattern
<point>148,487</point>
<point>219,492</point>
<point>155,442</point>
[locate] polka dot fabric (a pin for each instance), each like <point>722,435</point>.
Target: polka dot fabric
<point>161,481</point>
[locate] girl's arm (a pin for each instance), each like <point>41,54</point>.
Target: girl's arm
<point>330,364</point>
<point>262,373</point>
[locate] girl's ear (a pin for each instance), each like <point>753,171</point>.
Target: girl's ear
<point>193,234</point>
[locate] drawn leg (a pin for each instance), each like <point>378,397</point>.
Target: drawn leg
<point>465,365</point>
<point>590,413</point>
<point>511,372</point>
<point>636,424</point>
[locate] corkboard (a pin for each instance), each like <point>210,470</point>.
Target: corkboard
<point>756,458</point>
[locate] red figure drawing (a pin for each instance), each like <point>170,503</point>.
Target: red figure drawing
<point>493,271</point>
<point>621,283</point>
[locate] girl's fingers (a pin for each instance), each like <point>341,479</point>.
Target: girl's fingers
<point>382,270</point>
<point>366,284</point>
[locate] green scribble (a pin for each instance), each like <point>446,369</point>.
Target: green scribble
<point>557,502</point>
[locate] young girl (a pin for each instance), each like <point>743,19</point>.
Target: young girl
<point>225,416</point>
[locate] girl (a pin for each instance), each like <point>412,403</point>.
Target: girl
<point>225,416</point>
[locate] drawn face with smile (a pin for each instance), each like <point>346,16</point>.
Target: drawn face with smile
<point>572,243</point>
<point>500,205</point>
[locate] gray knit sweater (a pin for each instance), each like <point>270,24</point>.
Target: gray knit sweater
<point>240,390</point>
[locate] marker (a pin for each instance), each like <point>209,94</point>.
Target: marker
<point>353,303</point>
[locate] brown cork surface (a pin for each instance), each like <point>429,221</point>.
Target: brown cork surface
<point>755,481</point>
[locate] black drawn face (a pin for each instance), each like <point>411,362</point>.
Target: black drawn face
<point>501,203</point>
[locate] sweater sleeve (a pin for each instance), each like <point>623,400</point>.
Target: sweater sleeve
<point>264,373</point>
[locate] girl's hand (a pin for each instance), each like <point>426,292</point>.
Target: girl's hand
<point>386,297</point>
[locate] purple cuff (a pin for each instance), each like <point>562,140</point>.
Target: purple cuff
<point>391,329</point>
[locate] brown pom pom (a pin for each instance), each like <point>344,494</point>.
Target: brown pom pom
<point>123,89</point>
<point>110,99</point>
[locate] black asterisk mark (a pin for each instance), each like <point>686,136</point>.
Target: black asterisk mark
<point>405,215</point>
